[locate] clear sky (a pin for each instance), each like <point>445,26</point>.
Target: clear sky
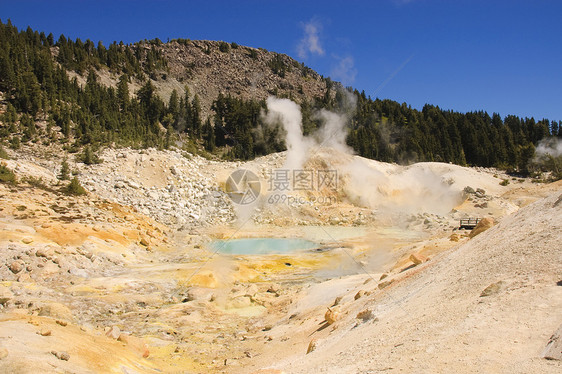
<point>498,56</point>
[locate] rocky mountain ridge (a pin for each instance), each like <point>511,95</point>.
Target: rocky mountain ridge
<point>209,68</point>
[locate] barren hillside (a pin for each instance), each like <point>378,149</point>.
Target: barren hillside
<point>129,269</point>
<point>488,305</point>
<point>207,71</point>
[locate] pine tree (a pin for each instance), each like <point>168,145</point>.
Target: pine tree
<point>75,188</point>
<point>65,170</point>
<point>209,136</point>
<point>196,117</point>
<point>123,92</point>
<point>173,104</point>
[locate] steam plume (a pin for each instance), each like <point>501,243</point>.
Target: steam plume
<point>551,146</point>
<point>289,114</point>
<point>366,183</point>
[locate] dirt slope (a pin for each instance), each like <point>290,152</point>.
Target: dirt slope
<point>438,320</point>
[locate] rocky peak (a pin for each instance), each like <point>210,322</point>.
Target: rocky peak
<point>209,68</point>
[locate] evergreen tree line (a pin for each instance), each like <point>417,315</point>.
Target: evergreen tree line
<point>389,131</point>
<point>37,86</point>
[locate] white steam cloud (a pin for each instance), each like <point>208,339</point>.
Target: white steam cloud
<point>333,133</point>
<point>310,43</point>
<point>289,114</point>
<point>365,182</point>
<point>551,146</point>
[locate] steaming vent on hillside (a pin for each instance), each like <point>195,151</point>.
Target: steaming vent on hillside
<point>366,183</point>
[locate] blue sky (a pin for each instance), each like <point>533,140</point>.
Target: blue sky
<point>498,56</point>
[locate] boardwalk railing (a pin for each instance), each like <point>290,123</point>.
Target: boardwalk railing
<point>469,223</point>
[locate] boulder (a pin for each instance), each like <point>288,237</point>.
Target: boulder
<point>366,315</point>
<point>16,266</point>
<point>553,349</point>
<point>56,310</point>
<point>454,237</point>
<point>331,316</point>
<point>46,252</point>
<point>492,289</point>
<point>483,225</point>
<point>383,285</point>
<point>61,355</point>
<point>137,345</point>
<point>44,332</point>
<point>337,301</point>
<point>113,332</point>
<point>5,295</point>
<point>312,346</point>
<point>417,258</point>
<point>199,294</point>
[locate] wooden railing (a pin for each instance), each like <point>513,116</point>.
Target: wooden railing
<point>469,223</point>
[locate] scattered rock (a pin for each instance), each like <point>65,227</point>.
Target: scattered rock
<point>273,288</point>
<point>144,241</point>
<point>469,190</point>
<point>5,295</point>
<point>16,266</point>
<point>240,302</point>
<point>553,349</point>
<point>366,315</point>
<point>557,201</point>
<point>61,355</point>
<point>312,346</point>
<point>113,332</point>
<point>56,310</point>
<point>383,276</point>
<point>417,258</point>
<point>62,323</point>
<point>134,343</point>
<point>44,332</point>
<point>27,240</point>
<point>3,353</point>
<point>483,225</point>
<point>24,277</point>
<point>331,316</point>
<point>492,289</point>
<point>454,237</point>
<point>337,301</point>
<point>45,252</point>
<point>199,294</point>
<point>359,294</point>
<point>385,284</point>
